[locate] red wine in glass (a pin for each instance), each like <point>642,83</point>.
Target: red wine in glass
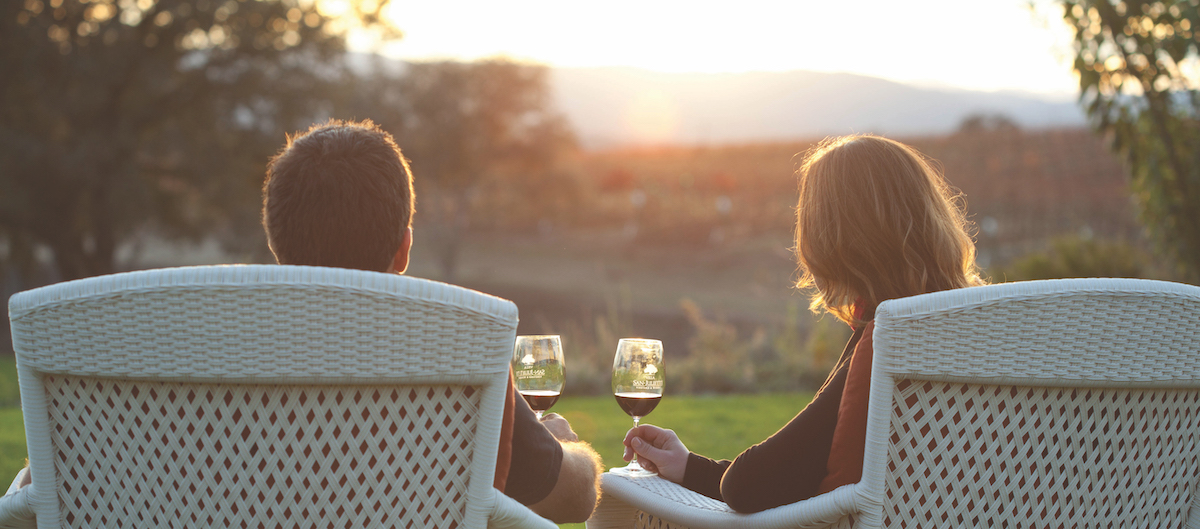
<point>637,384</point>
<point>638,404</point>
<point>540,399</point>
<point>538,372</point>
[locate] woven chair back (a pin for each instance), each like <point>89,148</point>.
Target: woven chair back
<point>1064,403</point>
<point>262,396</point>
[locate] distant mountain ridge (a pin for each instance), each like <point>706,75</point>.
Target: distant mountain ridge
<point>627,106</point>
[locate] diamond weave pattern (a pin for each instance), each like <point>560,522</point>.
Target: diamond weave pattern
<point>260,456</point>
<point>1005,456</point>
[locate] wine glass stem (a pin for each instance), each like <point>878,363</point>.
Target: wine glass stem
<point>634,462</point>
<point>539,414</point>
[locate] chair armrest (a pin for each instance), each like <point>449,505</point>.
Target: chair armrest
<point>623,496</point>
<point>612,512</point>
<point>15,510</point>
<point>16,483</point>
<point>509,513</point>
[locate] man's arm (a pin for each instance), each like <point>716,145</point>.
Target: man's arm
<point>552,472</point>
<point>574,495</point>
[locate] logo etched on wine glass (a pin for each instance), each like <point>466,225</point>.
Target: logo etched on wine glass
<point>637,384</point>
<point>538,370</point>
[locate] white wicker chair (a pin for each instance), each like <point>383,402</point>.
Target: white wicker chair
<point>262,396</point>
<point>1063,403</point>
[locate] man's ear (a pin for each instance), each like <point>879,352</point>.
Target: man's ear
<point>400,261</point>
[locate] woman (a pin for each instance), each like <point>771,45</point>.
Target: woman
<point>875,222</point>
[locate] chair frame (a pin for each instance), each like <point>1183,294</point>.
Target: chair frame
<point>1143,334</point>
<point>411,322</point>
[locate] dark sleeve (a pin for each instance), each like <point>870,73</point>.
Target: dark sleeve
<point>703,475</point>
<point>536,458</point>
<point>789,465</point>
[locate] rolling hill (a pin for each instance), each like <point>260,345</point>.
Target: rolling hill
<point>626,106</point>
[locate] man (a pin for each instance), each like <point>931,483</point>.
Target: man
<point>341,195</point>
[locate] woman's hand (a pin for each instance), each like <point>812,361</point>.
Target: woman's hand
<point>658,450</point>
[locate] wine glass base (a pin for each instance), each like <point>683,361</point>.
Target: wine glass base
<point>633,470</point>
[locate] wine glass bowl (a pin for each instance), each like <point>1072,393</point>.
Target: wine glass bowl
<point>637,383</point>
<point>538,370</point>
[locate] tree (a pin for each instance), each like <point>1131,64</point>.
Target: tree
<point>1137,64</point>
<point>461,124</point>
<point>120,116</point>
<point>980,122</point>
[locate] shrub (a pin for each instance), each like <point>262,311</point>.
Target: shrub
<point>794,356</point>
<point>781,360</point>
<point>1075,256</point>
<point>590,351</point>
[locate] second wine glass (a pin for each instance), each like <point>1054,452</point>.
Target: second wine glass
<point>637,383</point>
<point>538,370</point>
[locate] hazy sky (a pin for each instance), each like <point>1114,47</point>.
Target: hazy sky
<point>977,44</point>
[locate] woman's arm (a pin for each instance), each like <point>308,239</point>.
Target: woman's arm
<point>790,465</point>
<point>785,468</point>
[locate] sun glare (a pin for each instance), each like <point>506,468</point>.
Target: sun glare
<point>652,117</point>
<point>333,8</point>
<point>986,44</point>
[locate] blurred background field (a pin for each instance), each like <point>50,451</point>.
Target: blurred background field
<point>692,245</point>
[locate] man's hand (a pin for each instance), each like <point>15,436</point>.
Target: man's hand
<point>658,450</point>
<point>559,427</point>
<point>577,490</point>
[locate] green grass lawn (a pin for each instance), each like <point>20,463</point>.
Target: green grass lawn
<point>716,426</point>
<point>10,393</point>
<point>12,445</point>
<point>12,430</point>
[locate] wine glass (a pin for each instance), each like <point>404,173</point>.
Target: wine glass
<point>537,366</point>
<point>637,383</point>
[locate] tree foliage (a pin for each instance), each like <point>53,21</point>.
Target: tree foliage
<point>120,116</point>
<point>463,125</point>
<point>1139,70</point>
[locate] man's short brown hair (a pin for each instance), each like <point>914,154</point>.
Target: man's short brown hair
<point>338,195</point>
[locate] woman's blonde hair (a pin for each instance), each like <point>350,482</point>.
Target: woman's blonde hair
<point>877,221</point>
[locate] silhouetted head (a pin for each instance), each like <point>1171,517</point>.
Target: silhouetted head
<point>339,195</point>
<point>875,222</point>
